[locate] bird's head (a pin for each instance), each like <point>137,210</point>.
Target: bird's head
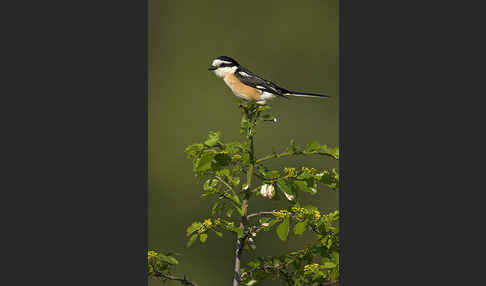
<point>223,66</point>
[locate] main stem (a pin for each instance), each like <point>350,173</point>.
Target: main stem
<point>240,242</point>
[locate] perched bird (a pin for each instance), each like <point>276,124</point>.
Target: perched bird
<point>249,86</point>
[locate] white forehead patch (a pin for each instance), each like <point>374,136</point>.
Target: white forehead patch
<point>244,74</point>
<point>218,62</point>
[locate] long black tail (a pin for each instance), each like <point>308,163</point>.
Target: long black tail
<point>306,94</point>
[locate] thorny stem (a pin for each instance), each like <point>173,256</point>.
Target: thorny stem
<point>251,117</point>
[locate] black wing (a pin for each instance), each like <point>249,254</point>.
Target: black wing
<point>253,80</point>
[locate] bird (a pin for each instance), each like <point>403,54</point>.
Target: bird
<point>249,86</point>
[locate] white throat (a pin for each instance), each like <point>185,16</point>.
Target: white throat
<point>224,71</point>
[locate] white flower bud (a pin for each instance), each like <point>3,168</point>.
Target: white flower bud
<point>267,191</point>
<point>289,197</point>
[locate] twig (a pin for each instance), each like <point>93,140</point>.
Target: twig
<point>226,184</point>
<point>182,280</point>
<point>287,278</point>
<point>259,214</point>
<point>264,267</point>
<point>290,153</point>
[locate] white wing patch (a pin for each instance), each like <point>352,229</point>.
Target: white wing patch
<point>244,74</point>
<point>260,87</point>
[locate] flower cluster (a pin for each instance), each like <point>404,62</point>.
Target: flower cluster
<point>303,213</point>
<point>311,171</point>
<point>299,212</point>
<point>207,223</point>
<point>290,172</point>
<point>282,213</point>
<point>151,254</point>
<point>311,268</point>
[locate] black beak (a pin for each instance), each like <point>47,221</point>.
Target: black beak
<point>211,68</point>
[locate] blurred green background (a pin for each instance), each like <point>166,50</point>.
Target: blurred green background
<point>292,43</point>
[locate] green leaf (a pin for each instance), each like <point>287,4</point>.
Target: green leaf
<point>192,239</point>
<point>294,148</point>
<point>267,117</point>
<point>207,185</point>
<point>303,186</point>
<point>264,219</point>
<point>254,264</point>
<point>223,160</point>
<point>203,237</point>
<point>273,174</point>
<point>223,172</point>
<point>213,139</point>
<point>238,209</point>
<point>313,146</point>
<point>217,233</point>
<point>329,265</point>
<point>329,244</point>
<point>229,212</point>
<point>239,231</point>
<point>193,149</point>
<point>335,257</point>
<point>168,259</point>
<point>333,152</point>
<point>204,163</point>
<point>235,181</point>
<point>233,147</point>
<point>193,227</point>
<point>286,189</point>
<point>300,227</point>
<point>214,208</point>
<point>263,107</point>
<point>252,282</point>
<point>283,229</point>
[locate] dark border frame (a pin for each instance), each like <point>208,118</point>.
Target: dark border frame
<point>73,131</point>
